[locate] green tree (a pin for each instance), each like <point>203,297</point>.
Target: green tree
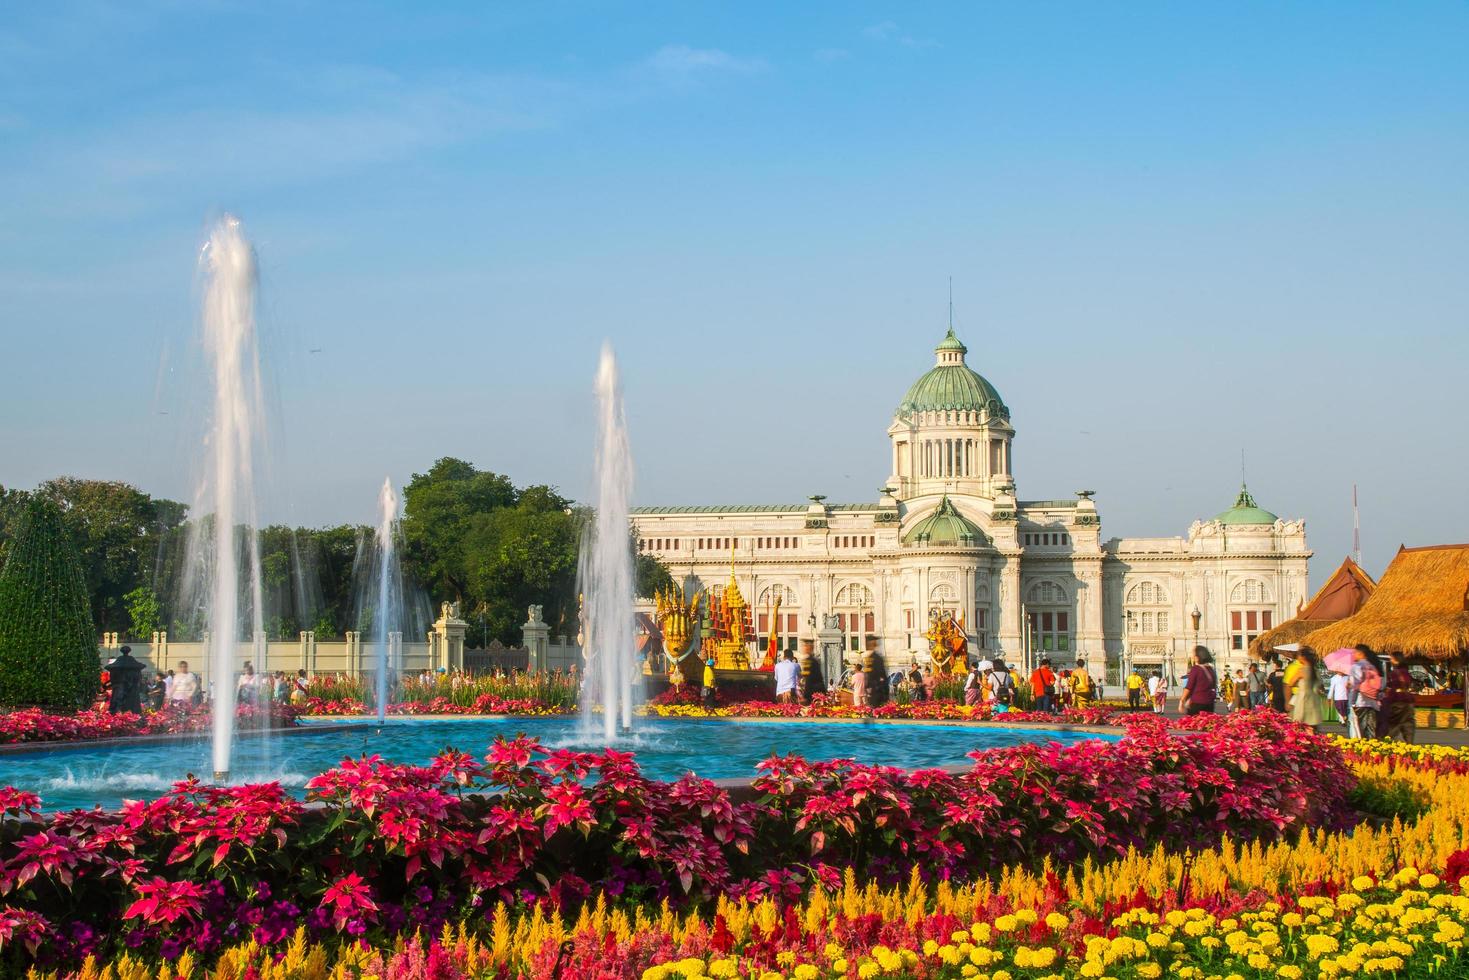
<point>650,575</point>
<point>439,510</point>
<point>48,646</point>
<point>144,615</point>
<point>516,556</point>
<point>118,530</point>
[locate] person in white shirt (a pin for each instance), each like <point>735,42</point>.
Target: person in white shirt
<point>787,675</point>
<point>1158,691</point>
<point>185,685</point>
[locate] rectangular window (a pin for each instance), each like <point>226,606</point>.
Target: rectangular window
<point>1237,641</point>
<point>1234,621</point>
<point>1265,618</point>
<point>764,623</point>
<point>1252,620</point>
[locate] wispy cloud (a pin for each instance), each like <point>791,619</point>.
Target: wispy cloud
<point>682,59</point>
<point>889,32</point>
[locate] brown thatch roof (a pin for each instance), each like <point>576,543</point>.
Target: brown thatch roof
<point>1342,595</point>
<point>1420,608</point>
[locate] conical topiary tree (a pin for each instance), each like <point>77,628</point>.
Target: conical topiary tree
<point>48,652</point>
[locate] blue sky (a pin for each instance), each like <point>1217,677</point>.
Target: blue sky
<point>1175,231</point>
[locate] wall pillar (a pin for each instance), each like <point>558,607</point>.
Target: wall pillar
<point>830,640</point>
<point>535,636</point>
<point>449,630</point>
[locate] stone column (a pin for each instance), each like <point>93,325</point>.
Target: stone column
<point>354,653</point>
<point>449,630</point>
<point>1090,650</point>
<point>1010,643</point>
<point>535,636</point>
<point>830,639</point>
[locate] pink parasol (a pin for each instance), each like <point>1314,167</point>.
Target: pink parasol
<point>1340,660</point>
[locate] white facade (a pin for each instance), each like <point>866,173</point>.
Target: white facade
<point>949,534</point>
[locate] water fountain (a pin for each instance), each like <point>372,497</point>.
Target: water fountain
<point>228,490</point>
<point>389,592</point>
<point>607,568</point>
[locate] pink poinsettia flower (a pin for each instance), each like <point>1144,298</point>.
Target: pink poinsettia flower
<point>348,896</point>
<point>166,901</point>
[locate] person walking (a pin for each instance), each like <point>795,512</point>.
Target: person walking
<point>708,689</point>
<point>1081,685</point>
<point>1241,691</point>
<point>1276,682</point>
<point>1063,690</point>
<point>1339,690</point>
<point>1002,680</point>
<point>1226,692</point>
<point>1043,686</point>
<point>878,689</point>
<point>973,682</point>
<point>787,677</point>
<point>1201,687</point>
<point>1255,681</point>
<point>1399,704</point>
<point>185,689</point>
<point>1300,679</point>
<point>1158,691</point>
<point>859,686</point>
<point>1135,684</point>
<point>1366,690</point>
<point>299,687</point>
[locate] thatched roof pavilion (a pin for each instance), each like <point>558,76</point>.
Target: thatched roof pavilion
<point>1343,594</point>
<point>1420,608</point>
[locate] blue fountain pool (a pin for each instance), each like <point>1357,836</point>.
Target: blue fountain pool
<point>105,776</point>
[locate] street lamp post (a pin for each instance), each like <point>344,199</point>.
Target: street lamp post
<point>1196,616</point>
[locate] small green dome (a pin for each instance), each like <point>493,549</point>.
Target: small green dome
<point>1245,511</point>
<point>945,527</point>
<point>951,385</point>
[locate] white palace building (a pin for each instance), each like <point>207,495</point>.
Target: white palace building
<point>949,535</point>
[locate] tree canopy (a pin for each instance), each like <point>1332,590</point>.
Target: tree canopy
<point>468,535</point>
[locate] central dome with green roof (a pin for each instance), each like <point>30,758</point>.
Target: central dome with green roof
<point>951,385</point>
<point>944,528</point>
<point>1245,511</point>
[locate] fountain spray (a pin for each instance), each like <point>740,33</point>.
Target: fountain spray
<point>608,567</point>
<point>228,264</point>
<point>388,590</point>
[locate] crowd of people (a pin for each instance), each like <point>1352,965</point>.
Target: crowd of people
<point>1373,697</point>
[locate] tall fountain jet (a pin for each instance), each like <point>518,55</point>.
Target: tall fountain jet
<point>607,579</point>
<point>228,492</point>
<point>389,591</point>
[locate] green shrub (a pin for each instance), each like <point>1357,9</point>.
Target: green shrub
<point>48,650</point>
<point>1387,799</point>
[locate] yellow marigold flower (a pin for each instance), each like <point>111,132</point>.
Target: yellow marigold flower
<point>1057,921</point>
<point>772,975</point>
<point>1092,969</point>
<point>867,970</point>
<point>1148,971</point>
<point>839,965</point>
<point>1157,940</point>
<point>980,932</point>
<point>1176,918</point>
<point>1258,960</point>
<point>1006,923</point>
<point>1001,975</point>
<point>655,973</point>
<point>1361,883</point>
<point>1318,945</point>
<point>1291,920</point>
<point>1289,971</point>
<point>805,971</point>
<point>727,967</point>
<point>1430,881</point>
<point>833,951</point>
<point>1194,928</point>
<point>969,970</point>
<point>1026,916</point>
<point>930,947</point>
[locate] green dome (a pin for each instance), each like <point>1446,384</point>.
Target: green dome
<point>945,527</point>
<point>1245,511</point>
<point>952,386</point>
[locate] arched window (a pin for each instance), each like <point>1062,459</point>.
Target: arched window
<point>1140,612</point>
<point>1251,590</point>
<point>1049,613</point>
<point>944,595</point>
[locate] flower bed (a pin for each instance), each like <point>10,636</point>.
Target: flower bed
<point>35,725</point>
<point>823,706</point>
<point>393,849</point>
<point>1390,902</point>
<point>483,704</point>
